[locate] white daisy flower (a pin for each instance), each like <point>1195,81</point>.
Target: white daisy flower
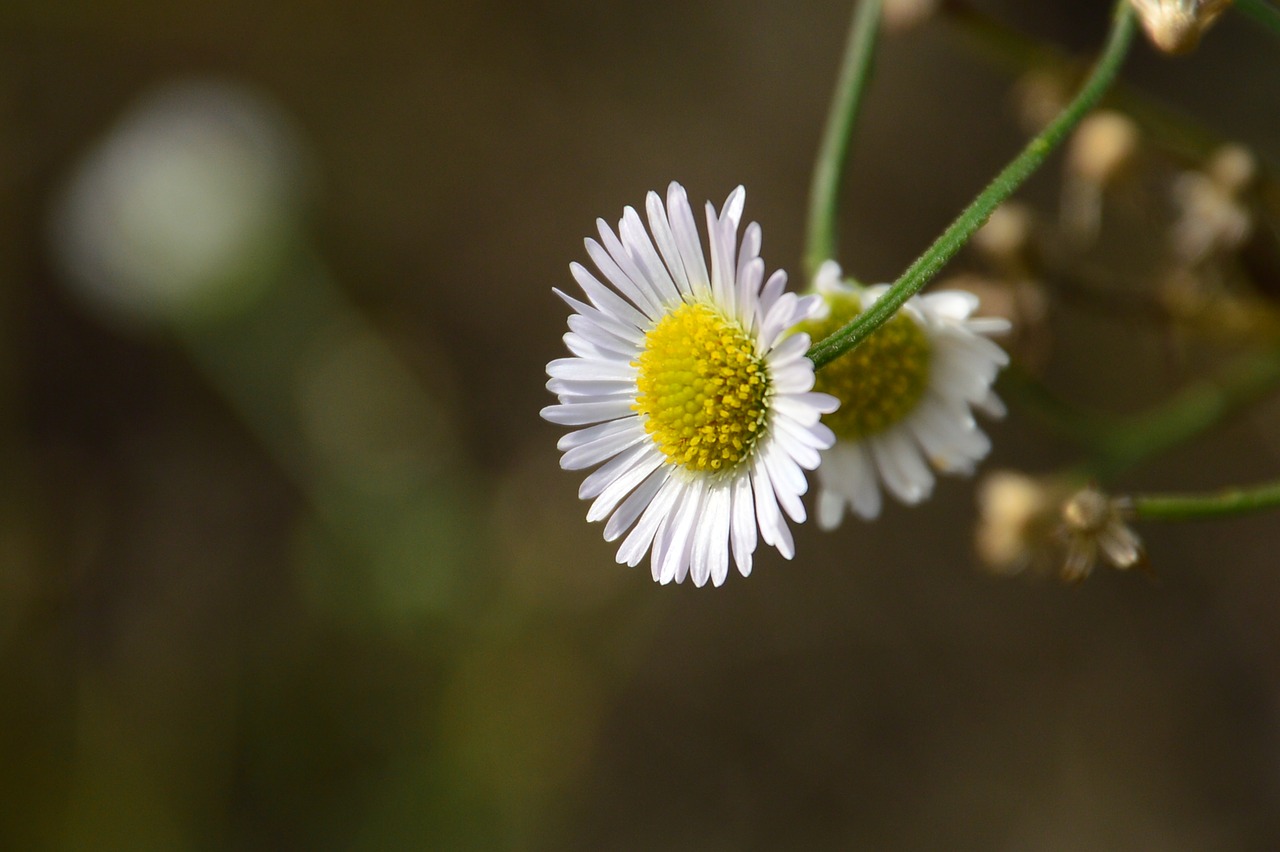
<point>906,395</point>
<point>703,411</point>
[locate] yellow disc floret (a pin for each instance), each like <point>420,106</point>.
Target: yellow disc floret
<point>881,381</point>
<point>702,388</point>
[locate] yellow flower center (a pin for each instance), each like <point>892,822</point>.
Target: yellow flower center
<point>881,381</point>
<point>703,389</point>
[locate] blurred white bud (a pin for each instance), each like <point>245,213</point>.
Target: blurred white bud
<point>1103,146</point>
<point>1006,238</point>
<point>1233,168</point>
<point>1015,517</point>
<point>187,209</point>
<point>1102,150</point>
<point>1175,26</point>
<point>1039,97</point>
<point>1212,217</point>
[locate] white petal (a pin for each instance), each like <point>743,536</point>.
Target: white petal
<point>676,555</point>
<point>589,455</point>
<point>803,408</point>
<point>639,300</point>
<point>989,325</point>
<point>660,225</point>
<point>580,414</point>
<point>648,289</point>
<point>617,466</point>
<point>749,278</point>
<point>722,241</point>
<point>587,370</point>
<point>794,443</point>
<point>604,339</point>
<point>622,485</point>
<point>768,515</point>
<point>903,470</point>
<point>637,501</point>
<point>779,319</point>
<point>795,377</point>
<point>637,542</point>
<point>731,211</point>
<point>720,516</point>
<point>626,331</point>
<point>772,290</point>
<point>609,302</point>
<point>743,532</point>
<point>576,392</point>
<point>951,304</point>
<point>788,484</point>
<point>642,253</point>
<point>860,483</point>
<point>596,344</point>
<point>830,509</point>
<point>686,234</point>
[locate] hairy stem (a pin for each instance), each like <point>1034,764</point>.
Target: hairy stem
<point>1218,504</point>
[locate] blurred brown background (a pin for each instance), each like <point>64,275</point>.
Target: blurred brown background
<point>307,575</point>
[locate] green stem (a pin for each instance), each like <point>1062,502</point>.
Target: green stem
<point>1263,13</point>
<point>828,170</point>
<point>1192,507</point>
<point>1004,185</point>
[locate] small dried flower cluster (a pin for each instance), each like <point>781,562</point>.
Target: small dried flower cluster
<point>1175,26</point>
<point>1046,525</point>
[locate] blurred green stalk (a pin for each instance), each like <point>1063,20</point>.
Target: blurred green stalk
<point>1191,507</point>
<point>1263,13</point>
<point>828,170</point>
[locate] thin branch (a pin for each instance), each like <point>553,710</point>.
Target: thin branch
<point>828,170</point>
<point>1004,185</point>
<point>1218,504</point>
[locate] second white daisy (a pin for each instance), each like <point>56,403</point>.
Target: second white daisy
<point>906,396</point>
<point>699,408</point>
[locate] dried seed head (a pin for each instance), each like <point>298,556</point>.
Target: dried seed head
<point>900,15</point>
<point>1175,26</point>
<point>1093,525</point>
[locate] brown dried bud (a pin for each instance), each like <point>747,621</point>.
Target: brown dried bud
<point>1093,525</point>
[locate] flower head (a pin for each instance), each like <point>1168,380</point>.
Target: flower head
<point>697,405</point>
<point>1093,525</point>
<point>906,395</point>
